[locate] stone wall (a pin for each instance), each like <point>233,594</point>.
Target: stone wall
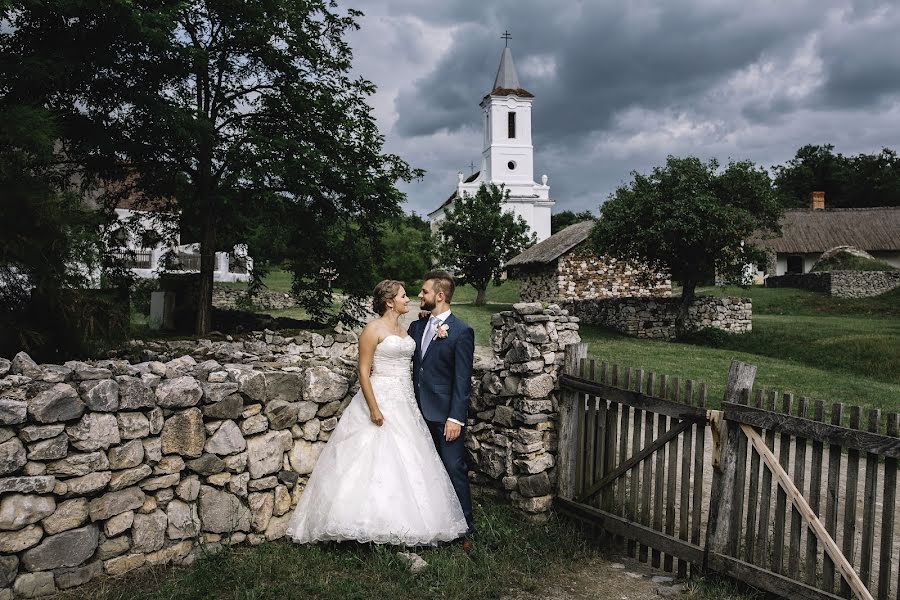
<point>109,466</point>
<point>585,276</point>
<point>231,298</point>
<point>841,284</point>
<point>112,465</point>
<point>512,435</point>
<point>655,318</point>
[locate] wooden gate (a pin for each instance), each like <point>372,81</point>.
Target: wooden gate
<point>632,459</point>
<point>787,509</point>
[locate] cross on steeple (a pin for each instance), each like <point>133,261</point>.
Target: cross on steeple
<point>472,167</point>
<point>506,36</point>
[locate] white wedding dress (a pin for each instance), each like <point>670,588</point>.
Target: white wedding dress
<point>380,484</point>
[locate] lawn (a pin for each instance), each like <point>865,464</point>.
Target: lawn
<point>802,342</point>
<point>511,555</point>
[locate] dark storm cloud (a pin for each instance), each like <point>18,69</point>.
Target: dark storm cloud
<point>619,85</point>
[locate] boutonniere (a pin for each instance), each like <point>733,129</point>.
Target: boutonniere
<point>442,331</point>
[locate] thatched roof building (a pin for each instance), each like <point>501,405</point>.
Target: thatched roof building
<point>563,268</point>
<point>808,232</point>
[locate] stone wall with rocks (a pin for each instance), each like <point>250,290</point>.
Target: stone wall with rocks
<point>840,284</point>
<point>585,276</point>
<point>109,466</point>
<point>655,318</point>
<point>232,298</point>
<point>512,436</point>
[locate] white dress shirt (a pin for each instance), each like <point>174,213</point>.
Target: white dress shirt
<point>443,319</point>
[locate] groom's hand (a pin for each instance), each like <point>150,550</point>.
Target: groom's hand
<point>451,430</point>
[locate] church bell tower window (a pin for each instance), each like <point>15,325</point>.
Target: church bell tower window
<point>512,125</point>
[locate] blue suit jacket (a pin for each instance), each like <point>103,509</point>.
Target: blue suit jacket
<point>443,377</point>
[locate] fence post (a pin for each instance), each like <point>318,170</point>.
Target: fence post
<point>568,425</point>
<point>723,529</point>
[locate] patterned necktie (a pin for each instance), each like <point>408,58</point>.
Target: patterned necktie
<point>429,334</point>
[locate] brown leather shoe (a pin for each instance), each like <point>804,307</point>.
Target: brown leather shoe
<point>468,545</point>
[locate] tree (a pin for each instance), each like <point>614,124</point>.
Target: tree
<point>688,219</point>
<point>561,220</point>
<point>408,250</point>
<point>848,181</point>
<point>242,114</point>
<point>479,237</point>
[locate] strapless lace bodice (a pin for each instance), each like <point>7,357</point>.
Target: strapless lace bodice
<point>393,357</point>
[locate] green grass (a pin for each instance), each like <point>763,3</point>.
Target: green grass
<point>276,280</point>
<point>510,554</point>
<point>844,261</point>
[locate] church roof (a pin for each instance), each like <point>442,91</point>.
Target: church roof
<point>454,195</point>
<point>554,246</point>
<point>507,81</point>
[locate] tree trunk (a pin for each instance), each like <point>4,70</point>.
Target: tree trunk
<point>480,296</point>
<point>207,245</point>
<point>687,298</point>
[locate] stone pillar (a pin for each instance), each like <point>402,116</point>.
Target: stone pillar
<point>512,440</point>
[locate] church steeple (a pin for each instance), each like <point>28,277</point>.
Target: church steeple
<point>507,78</point>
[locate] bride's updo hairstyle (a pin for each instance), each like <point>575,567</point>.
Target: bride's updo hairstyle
<point>385,290</point>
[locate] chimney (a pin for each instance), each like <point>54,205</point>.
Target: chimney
<point>817,200</point>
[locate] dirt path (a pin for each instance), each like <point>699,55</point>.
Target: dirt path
<point>616,579</point>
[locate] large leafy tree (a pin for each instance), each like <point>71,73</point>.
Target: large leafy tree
<point>478,237</point>
<point>561,220</point>
<point>848,181</point>
<point>243,114</point>
<point>689,219</point>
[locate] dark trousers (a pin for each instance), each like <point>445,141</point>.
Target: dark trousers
<point>453,455</point>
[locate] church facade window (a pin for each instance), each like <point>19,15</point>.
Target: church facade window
<point>511,165</point>
<point>512,125</point>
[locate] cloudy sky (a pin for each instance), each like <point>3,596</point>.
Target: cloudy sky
<point>620,85</point>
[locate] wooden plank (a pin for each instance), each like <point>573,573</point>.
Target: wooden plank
<point>740,478</point>
<point>684,510</point>
<point>848,438</point>
<point>629,464</point>
<point>647,470</point>
<point>796,498</point>
<point>660,473</point>
<point>793,569</point>
<point>699,465</point>
<point>645,401</point>
<point>885,564</point>
<point>815,500</point>
<point>612,444</point>
<point>868,524</point>
<point>784,459</point>
<point>634,493</point>
<point>671,476</point>
<point>569,413</point>
<point>765,498</point>
<point>581,456</point>
<point>600,441</point>
<point>590,436</point>
<point>752,494</point>
<point>850,494</point>
<point>767,580</point>
<point>619,526</point>
<point>832,497</point>
<point>721,534</point>
<point>624,436</point>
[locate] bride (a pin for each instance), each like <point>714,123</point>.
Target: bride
<point>379,478</point>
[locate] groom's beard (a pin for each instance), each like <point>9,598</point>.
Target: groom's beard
<point>425,305</point>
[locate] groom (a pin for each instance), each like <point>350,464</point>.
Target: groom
<point>442,372</point>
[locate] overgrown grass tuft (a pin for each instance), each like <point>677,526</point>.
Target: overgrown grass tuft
<point>511,554</point>
<point>844,261</point>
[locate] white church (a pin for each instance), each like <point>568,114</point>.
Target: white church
<point>507,155</point>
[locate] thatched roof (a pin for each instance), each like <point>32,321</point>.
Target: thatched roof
<point>809,231</point>
<point>554,246</point>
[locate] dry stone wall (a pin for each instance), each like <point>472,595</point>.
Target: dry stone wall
<point>655,318</point>
<point>232,298</point>
<point>512,434</point>
<point>841,284</point>
<point>585,276</point>
<point>109,466</point>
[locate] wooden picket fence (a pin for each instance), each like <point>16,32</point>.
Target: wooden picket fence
<point>771,490</point>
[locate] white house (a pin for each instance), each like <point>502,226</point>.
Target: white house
<point>507,154</point>
<point>141,241</point>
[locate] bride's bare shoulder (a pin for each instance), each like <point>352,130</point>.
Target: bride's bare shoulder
<point>373,332</point>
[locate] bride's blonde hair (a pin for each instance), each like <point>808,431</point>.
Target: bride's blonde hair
<point>385,290</point>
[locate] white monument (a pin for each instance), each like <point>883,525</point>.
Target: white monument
<point>507,155</point>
